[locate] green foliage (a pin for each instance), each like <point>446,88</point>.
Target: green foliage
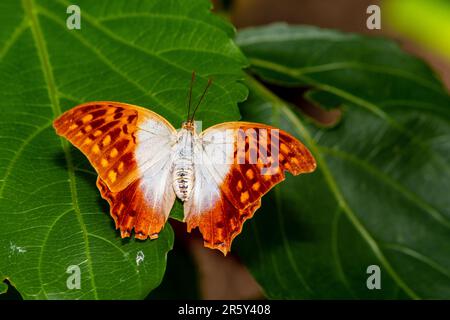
<point>51,214</point>
<point>380,192</point>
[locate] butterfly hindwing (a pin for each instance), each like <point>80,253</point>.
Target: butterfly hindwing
<point>227,193</point>
<point>133,208</point>
<point>130,148</point>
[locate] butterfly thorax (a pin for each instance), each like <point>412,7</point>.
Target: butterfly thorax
<point>183,164</point>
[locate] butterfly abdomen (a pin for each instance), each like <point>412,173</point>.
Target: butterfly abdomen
<point>183,166</point>
<point>183,180</point>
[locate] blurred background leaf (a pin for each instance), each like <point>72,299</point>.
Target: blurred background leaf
<point>424,21</point>
<point>379,195</point>
<point>51,215</point>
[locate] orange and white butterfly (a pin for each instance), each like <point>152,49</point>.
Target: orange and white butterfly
<point>143,164</point>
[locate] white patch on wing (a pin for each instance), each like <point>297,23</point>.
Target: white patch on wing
<point>154,140</point>
<point>213,156</point>
<point>155,127</point>
<point>218,147</point>
<point>154,155</point>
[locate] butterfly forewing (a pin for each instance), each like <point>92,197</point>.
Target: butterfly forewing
<point>130,148</point>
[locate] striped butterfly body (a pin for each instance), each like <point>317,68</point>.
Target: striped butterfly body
<point>183,165</point>
<point>144,164</point>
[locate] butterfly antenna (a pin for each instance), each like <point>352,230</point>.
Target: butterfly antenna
<point>201,98</point>
<point>190,94</point>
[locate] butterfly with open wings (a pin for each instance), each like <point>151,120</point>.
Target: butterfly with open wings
<point>144,164</point>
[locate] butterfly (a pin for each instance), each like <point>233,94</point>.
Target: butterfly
<point>143,164</point>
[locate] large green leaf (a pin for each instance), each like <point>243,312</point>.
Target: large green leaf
<point>380,194</point>
<point>139,52</point>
